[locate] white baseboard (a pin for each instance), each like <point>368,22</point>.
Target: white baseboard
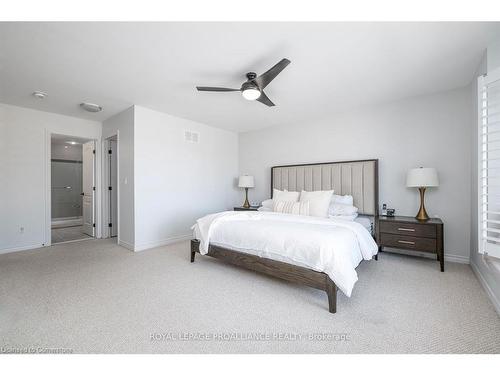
<point>21,248</point>
<point>448,258</point>
<point>487,288</point>
<point>167,241</point>
<point>457,259</point>
<point>126,245</point>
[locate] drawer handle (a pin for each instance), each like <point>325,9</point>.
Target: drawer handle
<point>407,229</point>
<point>407,242</point>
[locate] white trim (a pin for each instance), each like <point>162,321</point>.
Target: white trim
<point>486,287</point>
<point>480,84</point>
<point>447,257</point>
<point>457,259</point>
<point>126,245</point>
<point>48,183</point>
<point>21,248</point>
<point>167,241</point>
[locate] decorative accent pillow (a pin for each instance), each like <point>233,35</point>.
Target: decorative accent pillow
<point>342,199</point>
<point>342,210</point>
<point>344,217</point>
<point>294,208</point>
<point>268,203</point>
<point>266,209</point>
<point>319,201</point>
<point>285,196</point>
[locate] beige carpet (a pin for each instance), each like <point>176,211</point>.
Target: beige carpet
<point>94,296</point>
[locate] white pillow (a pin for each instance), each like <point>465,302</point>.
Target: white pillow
<point>342,199</point>
<point>285,196</point>
<point>319,201</point>
<point>294,208</point>
<point>342,210</point>
<point>265,209</point>
<point>344,217</point>
<point>268,203</point>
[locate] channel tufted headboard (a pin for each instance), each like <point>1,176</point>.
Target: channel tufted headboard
<point>358,178</point>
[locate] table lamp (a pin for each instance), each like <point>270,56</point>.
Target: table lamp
<point>422,178</point>
<point>246,182</point>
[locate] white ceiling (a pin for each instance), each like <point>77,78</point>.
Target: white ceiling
<point>335,66</point>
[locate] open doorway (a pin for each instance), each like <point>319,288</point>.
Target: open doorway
<point>72,206</point>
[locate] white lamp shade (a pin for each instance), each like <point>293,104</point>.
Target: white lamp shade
<point>246,182</point>
<point>422,177</point>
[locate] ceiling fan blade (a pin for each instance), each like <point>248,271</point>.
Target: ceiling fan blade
<point>265,100</point>
<point>264,79</point>
<point>219,89</point>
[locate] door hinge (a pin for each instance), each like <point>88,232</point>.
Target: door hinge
<point>110,152</point>
<point>93,225</point>
<point>93,151</point>
<point>93,188</point>
<point>110,225</point>
<point>110,188</point>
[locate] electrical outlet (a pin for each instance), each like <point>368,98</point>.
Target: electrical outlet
<point>21,230</point>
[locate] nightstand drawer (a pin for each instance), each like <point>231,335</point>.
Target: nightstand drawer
<point>408,229</point>
<point>408,242</point>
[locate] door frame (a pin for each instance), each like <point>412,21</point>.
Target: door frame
<point>106,233</point>
<point>48,185</point>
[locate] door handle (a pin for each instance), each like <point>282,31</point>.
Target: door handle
<point>82,194</point>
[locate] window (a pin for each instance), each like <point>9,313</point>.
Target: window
<point>489,163</point>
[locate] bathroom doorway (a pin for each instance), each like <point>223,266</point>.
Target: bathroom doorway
<point>72,165</point>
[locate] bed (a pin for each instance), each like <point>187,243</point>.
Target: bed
<point>318,252</point>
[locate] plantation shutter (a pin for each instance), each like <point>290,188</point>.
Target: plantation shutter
<point>489,164</point>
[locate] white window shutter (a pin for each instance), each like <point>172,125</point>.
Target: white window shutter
<point>489,164</point>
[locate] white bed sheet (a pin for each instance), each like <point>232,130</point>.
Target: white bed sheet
<point>332,246</point>
<point>365,222</point>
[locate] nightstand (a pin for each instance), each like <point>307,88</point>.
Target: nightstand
<point>251,208</point>
<point>408,233</point>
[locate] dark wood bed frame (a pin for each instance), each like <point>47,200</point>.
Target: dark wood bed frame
<point>285,271</point>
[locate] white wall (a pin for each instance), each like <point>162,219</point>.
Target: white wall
<point>24,145</point>
<point>122,125</point>
<point>430,131</point>
<point>177,182</point>
<point>487,269</point>
<point>492,58</point>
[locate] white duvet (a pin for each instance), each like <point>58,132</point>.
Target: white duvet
<point>332,246</point>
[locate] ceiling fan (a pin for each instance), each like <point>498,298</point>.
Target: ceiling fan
<point>253,88</point>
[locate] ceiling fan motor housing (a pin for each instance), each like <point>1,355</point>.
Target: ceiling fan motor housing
<point>251,76</point>
<point>249,85</point>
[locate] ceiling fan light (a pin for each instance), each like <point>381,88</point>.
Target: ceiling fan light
<point>251,93</point>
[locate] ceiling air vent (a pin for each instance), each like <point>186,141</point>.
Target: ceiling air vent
<point>191,137</point>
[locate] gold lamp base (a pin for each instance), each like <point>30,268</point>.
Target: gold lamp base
<point>246,204</point>
<point>422,213</point>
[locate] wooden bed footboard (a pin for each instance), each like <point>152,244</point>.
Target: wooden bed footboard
<point>285,271</point>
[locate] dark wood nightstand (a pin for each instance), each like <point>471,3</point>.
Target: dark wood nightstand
<point>251,208</point>
<point>408,233</point>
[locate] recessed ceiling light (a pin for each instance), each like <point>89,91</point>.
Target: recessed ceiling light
<point>90,107</point>
<point>72,142</point>
<point>39,94</point>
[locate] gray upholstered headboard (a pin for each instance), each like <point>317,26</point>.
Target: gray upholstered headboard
<point>358,178</point>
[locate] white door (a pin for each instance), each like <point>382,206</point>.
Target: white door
<point>113,192</point>
<point>88,188</point>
